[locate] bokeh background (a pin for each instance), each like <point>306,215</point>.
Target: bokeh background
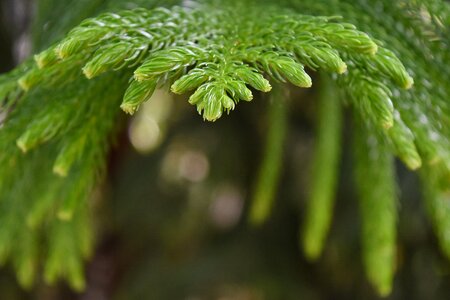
<point>171,217</point>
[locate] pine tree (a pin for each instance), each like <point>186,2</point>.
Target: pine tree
<point>380,65</point>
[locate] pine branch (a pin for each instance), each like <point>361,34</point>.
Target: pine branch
<point>324,171</point>
<point>375,179</point>
<point>271,165</point>
<point>63,109</point>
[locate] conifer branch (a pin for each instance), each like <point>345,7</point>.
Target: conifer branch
<point>62,109</point>
<point>324,171</point>
<point>375,180</point>
<point>270,169</point>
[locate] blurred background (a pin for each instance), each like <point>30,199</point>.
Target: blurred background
<point>171,218</point>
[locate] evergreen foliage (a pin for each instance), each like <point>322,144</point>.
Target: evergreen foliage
<point>61,111</point>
